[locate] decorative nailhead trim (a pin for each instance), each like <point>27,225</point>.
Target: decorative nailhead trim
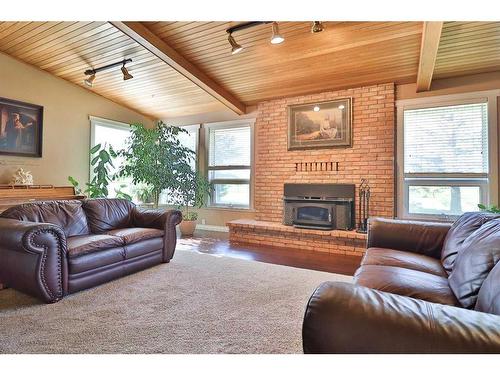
<point>31,244</point>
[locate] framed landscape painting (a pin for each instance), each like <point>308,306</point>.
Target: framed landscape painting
<point>320,124</point>
<point>20,128</point>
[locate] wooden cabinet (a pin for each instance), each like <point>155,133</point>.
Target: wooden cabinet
<point>12,195</point>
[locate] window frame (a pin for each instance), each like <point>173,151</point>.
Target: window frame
<point>194,129</point>
<point>207,168</point>
<point>488,182</point>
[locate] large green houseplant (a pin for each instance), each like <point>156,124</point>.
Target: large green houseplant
<point>155,157</point>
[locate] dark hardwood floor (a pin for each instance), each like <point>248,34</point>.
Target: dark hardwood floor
<point>217,243</point>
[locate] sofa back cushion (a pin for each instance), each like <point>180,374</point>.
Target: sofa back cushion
<point>488,299</point>
<point>478,254</point>
<point>105,214</point>
<point>461,229</point>
<point>68,215</point>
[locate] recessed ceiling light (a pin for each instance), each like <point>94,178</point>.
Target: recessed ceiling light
<point>277,38</point>
<point>341,106</point>
<point>316,108</point>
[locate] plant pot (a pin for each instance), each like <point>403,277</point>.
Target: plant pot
<point>187,227</point>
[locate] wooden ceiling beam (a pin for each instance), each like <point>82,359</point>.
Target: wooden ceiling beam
<point>431,35</point>
<point>146,38</point>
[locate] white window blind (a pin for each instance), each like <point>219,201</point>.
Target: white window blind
<point>229,164</point>
<point>230,147</point>
<point>451,139</point>
<point>445,160</point>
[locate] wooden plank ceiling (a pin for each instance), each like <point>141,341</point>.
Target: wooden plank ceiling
<point>468,48</point>
<point>345,54</point>
<point>67,49</point>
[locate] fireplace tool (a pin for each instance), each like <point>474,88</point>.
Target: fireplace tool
<point>364,206</point>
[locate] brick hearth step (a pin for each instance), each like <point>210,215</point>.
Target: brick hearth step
<point>273,234</point>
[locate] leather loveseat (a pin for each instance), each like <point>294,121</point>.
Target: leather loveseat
<point>53,248</point>
<point>421,288</point>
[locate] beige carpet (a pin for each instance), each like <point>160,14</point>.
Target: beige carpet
<point>198,303</point>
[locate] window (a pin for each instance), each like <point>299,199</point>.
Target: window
<point>114,134</point>
<point>445,168</point>
<point>189,140</point>
<point>229,160</point>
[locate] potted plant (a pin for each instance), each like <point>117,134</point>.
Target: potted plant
<point>192,191</point>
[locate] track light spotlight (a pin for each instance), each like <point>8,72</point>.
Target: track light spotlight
<point>317,27</point>
<point>126,74</point>
<point>235,47</point>
<point>92,72</point>
<point>89,82</point>
<point>277,38</point>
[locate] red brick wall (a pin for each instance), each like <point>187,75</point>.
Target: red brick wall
<point>371,157</point>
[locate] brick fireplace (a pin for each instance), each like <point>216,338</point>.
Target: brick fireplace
<point>371,157</point>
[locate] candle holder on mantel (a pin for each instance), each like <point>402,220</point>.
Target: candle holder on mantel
<point>364,206</point>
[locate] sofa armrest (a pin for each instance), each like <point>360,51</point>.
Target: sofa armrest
<point>416,236</point>
<point>33,258</point>
<point>166,220</point>
<point>348,318</point>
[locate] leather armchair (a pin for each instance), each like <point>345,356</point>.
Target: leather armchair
<point>348,318</point>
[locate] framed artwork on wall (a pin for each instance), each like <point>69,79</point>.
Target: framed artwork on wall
<point>320,124</point>
<point>21,127</point>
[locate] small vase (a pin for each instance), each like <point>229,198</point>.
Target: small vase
<point>187,227</point>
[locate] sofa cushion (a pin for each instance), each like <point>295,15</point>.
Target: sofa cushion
<point>144,247</point>
<point>80,245</point>
<point>404,259</point>
<point>97,259</point>
<point>479,253</point>
<point>105,214</point>
<point>488,299</point>
<point>68,214</point>
<point>465,225</point>
<point>406,282</point>
<point>133,235</point>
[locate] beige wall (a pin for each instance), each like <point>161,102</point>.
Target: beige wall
<point>66,126</point>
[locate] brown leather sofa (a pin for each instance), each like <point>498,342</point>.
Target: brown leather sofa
<point>50,249</point>
<point>421,288</point>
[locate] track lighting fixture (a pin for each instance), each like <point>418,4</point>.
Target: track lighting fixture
<point>317,26</point>
<point>92,72</point>
<point>277,38</point>
<point>126,74</point>
<point>89,82</point>
<point>235,47</point>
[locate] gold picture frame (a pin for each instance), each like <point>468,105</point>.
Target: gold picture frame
<point>320,124</point>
